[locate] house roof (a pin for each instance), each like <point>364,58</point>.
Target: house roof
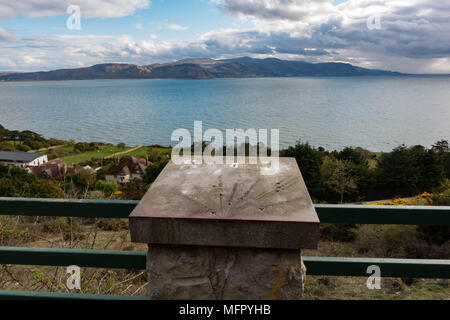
<point>54,170</point>
<point>127,165</point>
<point>19,156</point>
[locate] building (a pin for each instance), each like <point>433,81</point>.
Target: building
<point>22,159</point>
<point>54,170</point>
<point>126,169</point>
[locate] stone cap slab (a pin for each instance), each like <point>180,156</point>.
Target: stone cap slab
<point>227,205</point>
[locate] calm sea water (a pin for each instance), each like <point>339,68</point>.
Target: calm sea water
<point>378,113</point>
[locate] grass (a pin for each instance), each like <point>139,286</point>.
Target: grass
<point>106,151</point>
<point>355,288</point>
<point>143,151</point>
<point>90,234</point>
<point>113,234</point>
<point>64,148</point>
<point>10,142</point>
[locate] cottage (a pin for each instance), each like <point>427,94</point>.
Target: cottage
<point>126,169</point>
<point>54,170</point>
<point>22,159</point>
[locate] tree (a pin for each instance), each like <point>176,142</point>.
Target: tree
<point>3,133</point>
<point>399,172</point>
<point>336,175</point>
<point>153,171</point>
<point>13,135</point>
<point>8,188</point>
<point>309,160</point>
<point>441,146</point>
<point>446,163</point>
<point>432,171</point>
<point>358,166</point>
<point>85,179</point>
<point>133,190</point>
<point>45,189</point>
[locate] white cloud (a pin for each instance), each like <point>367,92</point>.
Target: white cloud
<point>89,8</point>
<point>414,37</point>
<point>175,27</point>
<point>417,30</point>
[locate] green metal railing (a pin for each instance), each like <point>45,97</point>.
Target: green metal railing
<point>332,266</point>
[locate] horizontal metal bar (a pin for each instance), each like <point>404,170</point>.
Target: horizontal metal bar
<point>87,208</point>
<point>331,266</point>
<point>337,266</point>
<point>32,295</point>
<point>328,213</point>
<point>402,268</point>
<point>373,214</point>
<point>67,257</point>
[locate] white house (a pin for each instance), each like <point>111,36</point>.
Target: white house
<point>22,159</point>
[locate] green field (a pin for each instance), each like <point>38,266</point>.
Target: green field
<point>64,148</point>
<point>106,151</point>
<point>142,152</point>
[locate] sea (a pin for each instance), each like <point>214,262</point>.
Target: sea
<point>376,113</point>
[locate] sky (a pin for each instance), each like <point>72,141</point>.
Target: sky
<point>411,36</point>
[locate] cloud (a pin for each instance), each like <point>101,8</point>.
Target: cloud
<point>418,29</point>
<point>89,9</point>
<point>175,27</point>
<point>414,37</point>
<point>278,9</point>
<point>5,35</point>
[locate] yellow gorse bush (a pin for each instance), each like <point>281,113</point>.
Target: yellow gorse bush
<point>424,198</point>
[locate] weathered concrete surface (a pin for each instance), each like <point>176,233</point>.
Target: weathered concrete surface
<point>213,273</point>
<point>227,206</point>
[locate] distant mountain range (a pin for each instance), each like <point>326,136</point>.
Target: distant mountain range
<point>201,69</point>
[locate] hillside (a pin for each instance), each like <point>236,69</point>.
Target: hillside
<point>201,69</point>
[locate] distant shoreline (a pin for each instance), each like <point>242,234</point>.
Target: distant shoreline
<point>234,78</point>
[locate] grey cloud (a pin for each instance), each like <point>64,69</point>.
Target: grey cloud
<point>5,35</point>
<point>420,30</point>
<point>276,9</point>
<point>89,8</point>
<point>411,39</point>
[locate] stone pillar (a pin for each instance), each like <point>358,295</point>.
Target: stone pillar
<point>219,273</point>
<point>218,231</point>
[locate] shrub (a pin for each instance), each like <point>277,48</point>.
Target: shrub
<point>398,239</point>
<point>96,194</point>
<point>68,228</point>
<point>434,234</point>
<point>23,147</point>
<point>4,146</point>
<point>338,232</point>
<point>112,224</point>
<point>153,170</point>
<point>83,146</point>
<point>45,189</point>
<point>154,155</point>
<point>35,145</point>
<point>108,188</point>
